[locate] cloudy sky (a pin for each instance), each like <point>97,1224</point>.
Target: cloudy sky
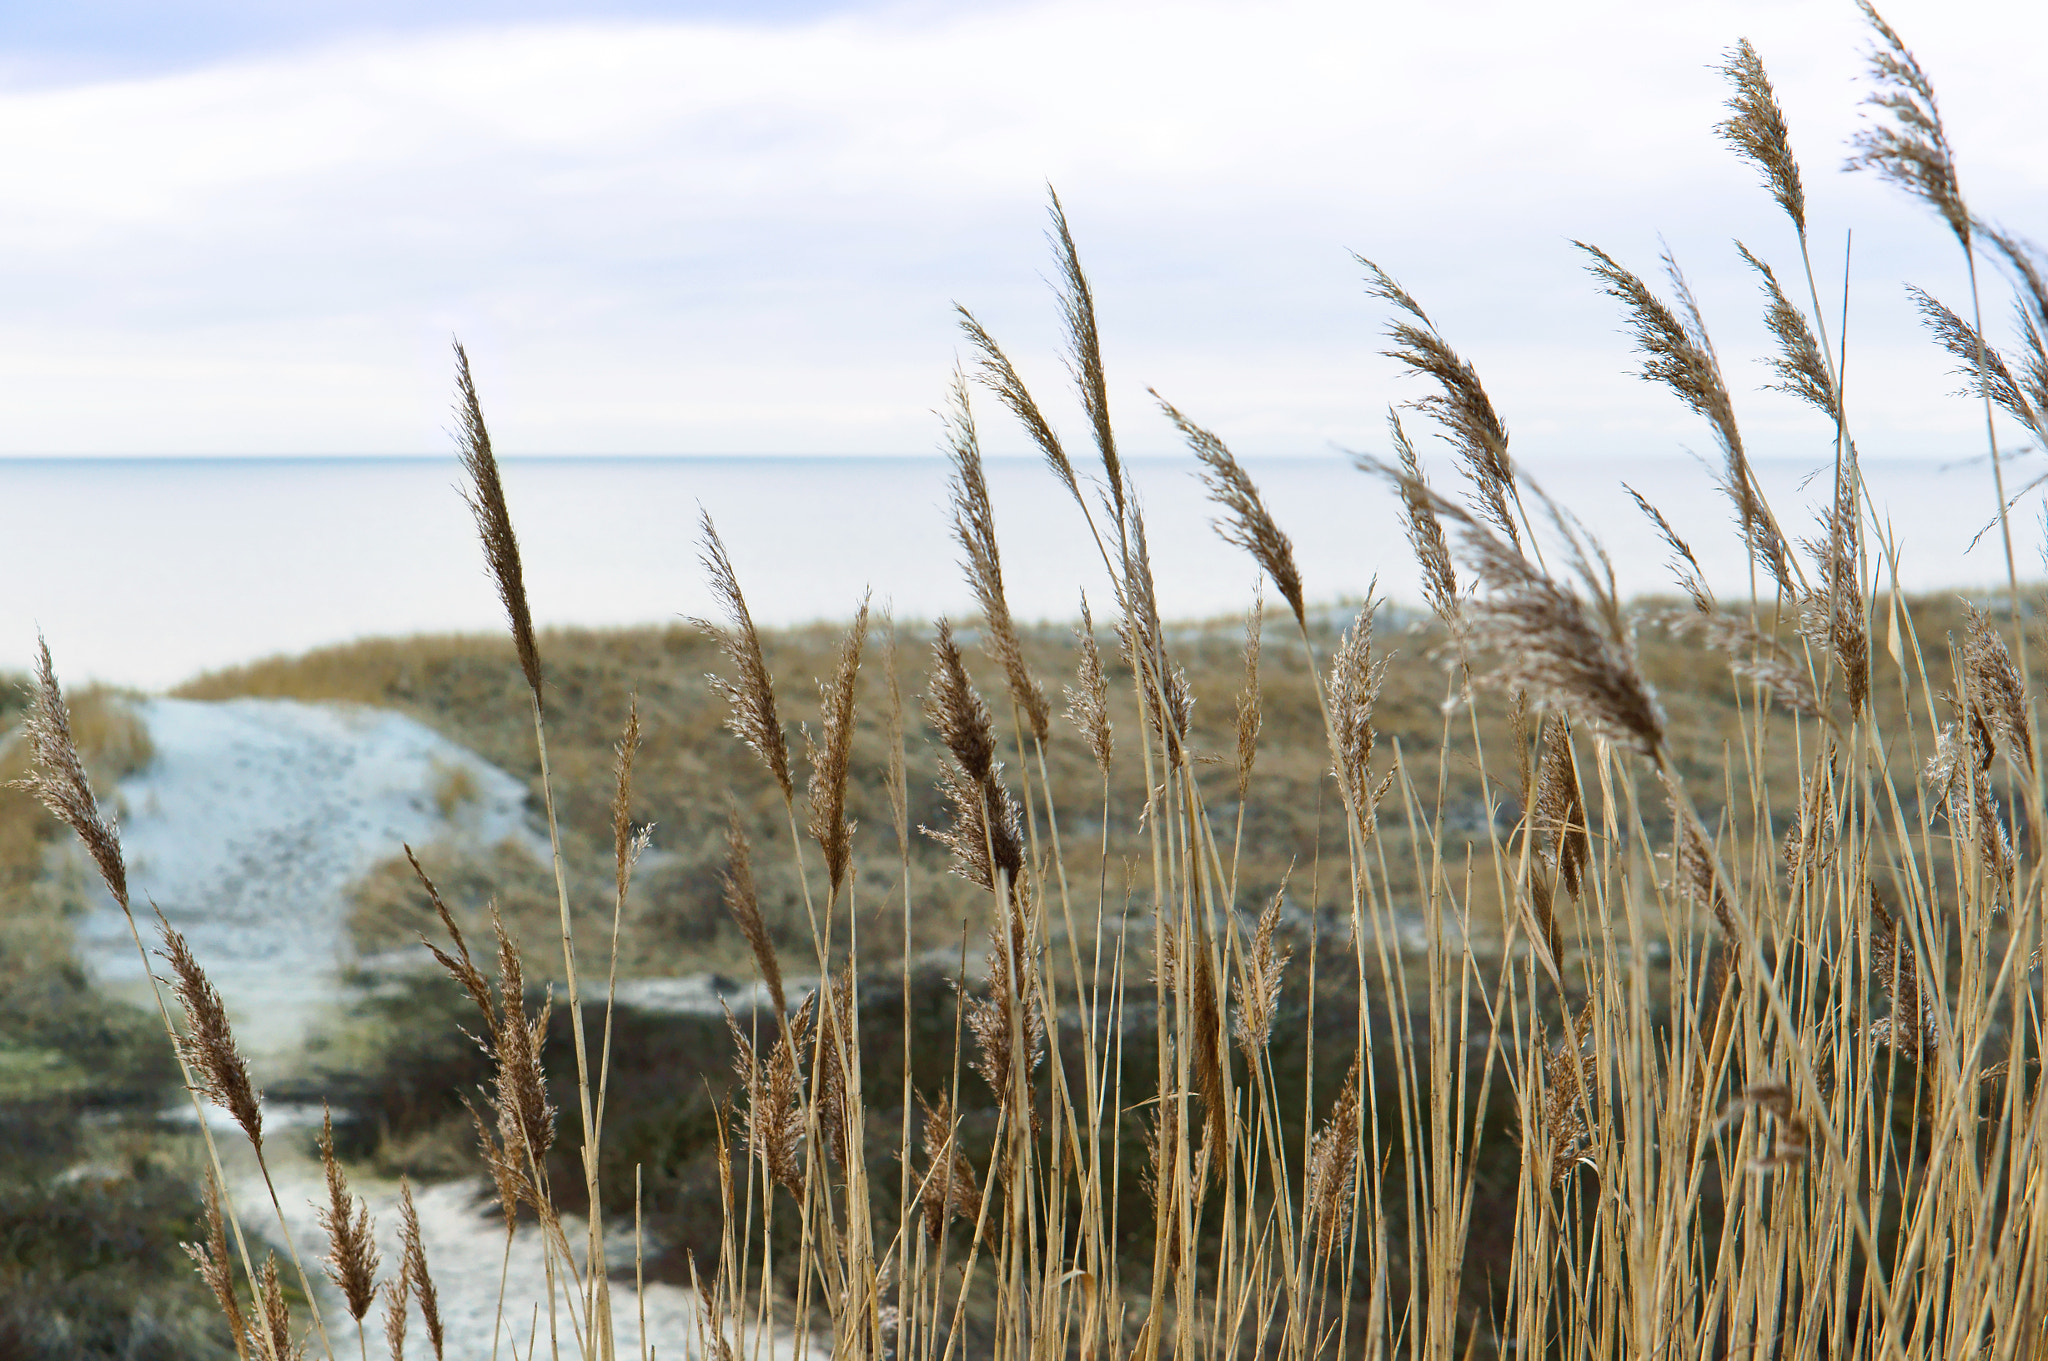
<point>251,226</point>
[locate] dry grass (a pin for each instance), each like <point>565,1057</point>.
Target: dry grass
<point>1592,981</point>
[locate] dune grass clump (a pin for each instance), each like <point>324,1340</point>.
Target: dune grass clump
<point>1681,1044</point>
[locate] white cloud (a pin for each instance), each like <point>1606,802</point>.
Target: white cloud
<point>699,238</point>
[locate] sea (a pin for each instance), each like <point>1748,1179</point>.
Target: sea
<point>145,572</point>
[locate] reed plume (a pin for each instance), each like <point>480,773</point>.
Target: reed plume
<point>1250,708</point>
<point>1907,146</point>
<point>1084,352</point>
<point>750,695</point>
<point>1569,1071</point>
<point>1994,686</point>
<point>1982,368</point>
<point>420,1281</point>
<point>397,1299</point>
<point>1810,842</point>
<point>58,780</point>
<point>1831,612</point>
<point>217,1269</point>
<point>1685,568</point>
<point>1461,406</point>
<point>1088,696</point>
<point>1543,637</point>
<point>948,1186</point>
<point>1258,985</point>
<point>1354,682</point>
<point>1333,1162</point>
<point>218,1070</point>
<point>1163,686</point>
<point>1791,1142</point>
<point>974,529</point>
<point>486,498</point>
<point>1893,966</point>
<point>832,759</point>
<point>525,1112</point>
<point>1008,1025</point>
<point>1559,812</point>
<point>986,835</point>
<point>352,1256</point>
<point>744,903</point>
<point>1424,531</point>
<point>1678,354</point>
<point>1247,523</point>
<point>1756,655</point>
<point>837,1097</point>
<point>271,1333</point>
<point>1000,376</point>
<point>1755,128</point>
<point>775,1097</point>
<point>1801,367</point>
<point>2030,308</point>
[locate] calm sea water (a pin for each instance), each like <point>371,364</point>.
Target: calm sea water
<point>144,572</point>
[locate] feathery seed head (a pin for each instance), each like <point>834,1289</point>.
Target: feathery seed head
<point>352,1256</point>
<point>1084,350</point>
<point>1088,696</point>
<point>1333,1162</point>
<point>1425,532</point>
<point>1678,354</point>
<point>1755,127</point>
<point>271,1335</point>
<point>1684,566</point>
<point>831,760</point>
<point>948,1185</point>
<point>1994,685</point>
<point>1559,813</point>
<point>208,1044</point>
<point>1983,368</point>
<point>1907,144</point>
<point>743,902</point>
<point>217,1269</point>
<point>1354,687</point>
<point>1258,983</point>
<point>486,498</point>
<point>1250,707</point>
<point>1000,376</point>
<point>1800,365</point>
<point>58,780</point>
<point>413,1271</point>
<point>974,529</point>
<point>750,694</point>
<point>1249,524</point>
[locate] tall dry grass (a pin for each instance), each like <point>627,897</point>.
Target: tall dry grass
<point>1771,1060</point>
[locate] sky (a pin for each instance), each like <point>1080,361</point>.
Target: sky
<point>236,227</point>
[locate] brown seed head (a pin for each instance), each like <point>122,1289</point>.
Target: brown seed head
<point>57,776</point>
<point>1000,376</point>
<point>1684,566</point>
<point>1084,350</point>
<point>486,498</point>
<point>1250,707</point>
<point>1168,703</point>
<point>1333,1162</point>
<point>1011,1015</point>
<point>956,710</point>
<point>974,529</point>
<point>414,1271</point>
<point>1994,686</point>
<point>1831,613</point>
<point>1801,367</point>
<point>352,1257</point>
<point>1354,687</point>
<point>217,1269</point>
<point>208,1044</point>
<point>1569,1072</point>
<point>1258,982</point>
<point>744,903</point>
<point>1752,654</point>
<point>1247,523</point>
<point>627,844</point>
<point>750,695</point>
<point>948,1185</point>
<point>1559,813</point>
<point>1755,127</point>
<point>1982,368</point>
<point>397,1299</point>
<point>1425,532</point>
<point>1678,354</point>
<point>1088,696</point>
<point>275,1336</point>
<point>1906,144</point>
<point>831,760</point>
